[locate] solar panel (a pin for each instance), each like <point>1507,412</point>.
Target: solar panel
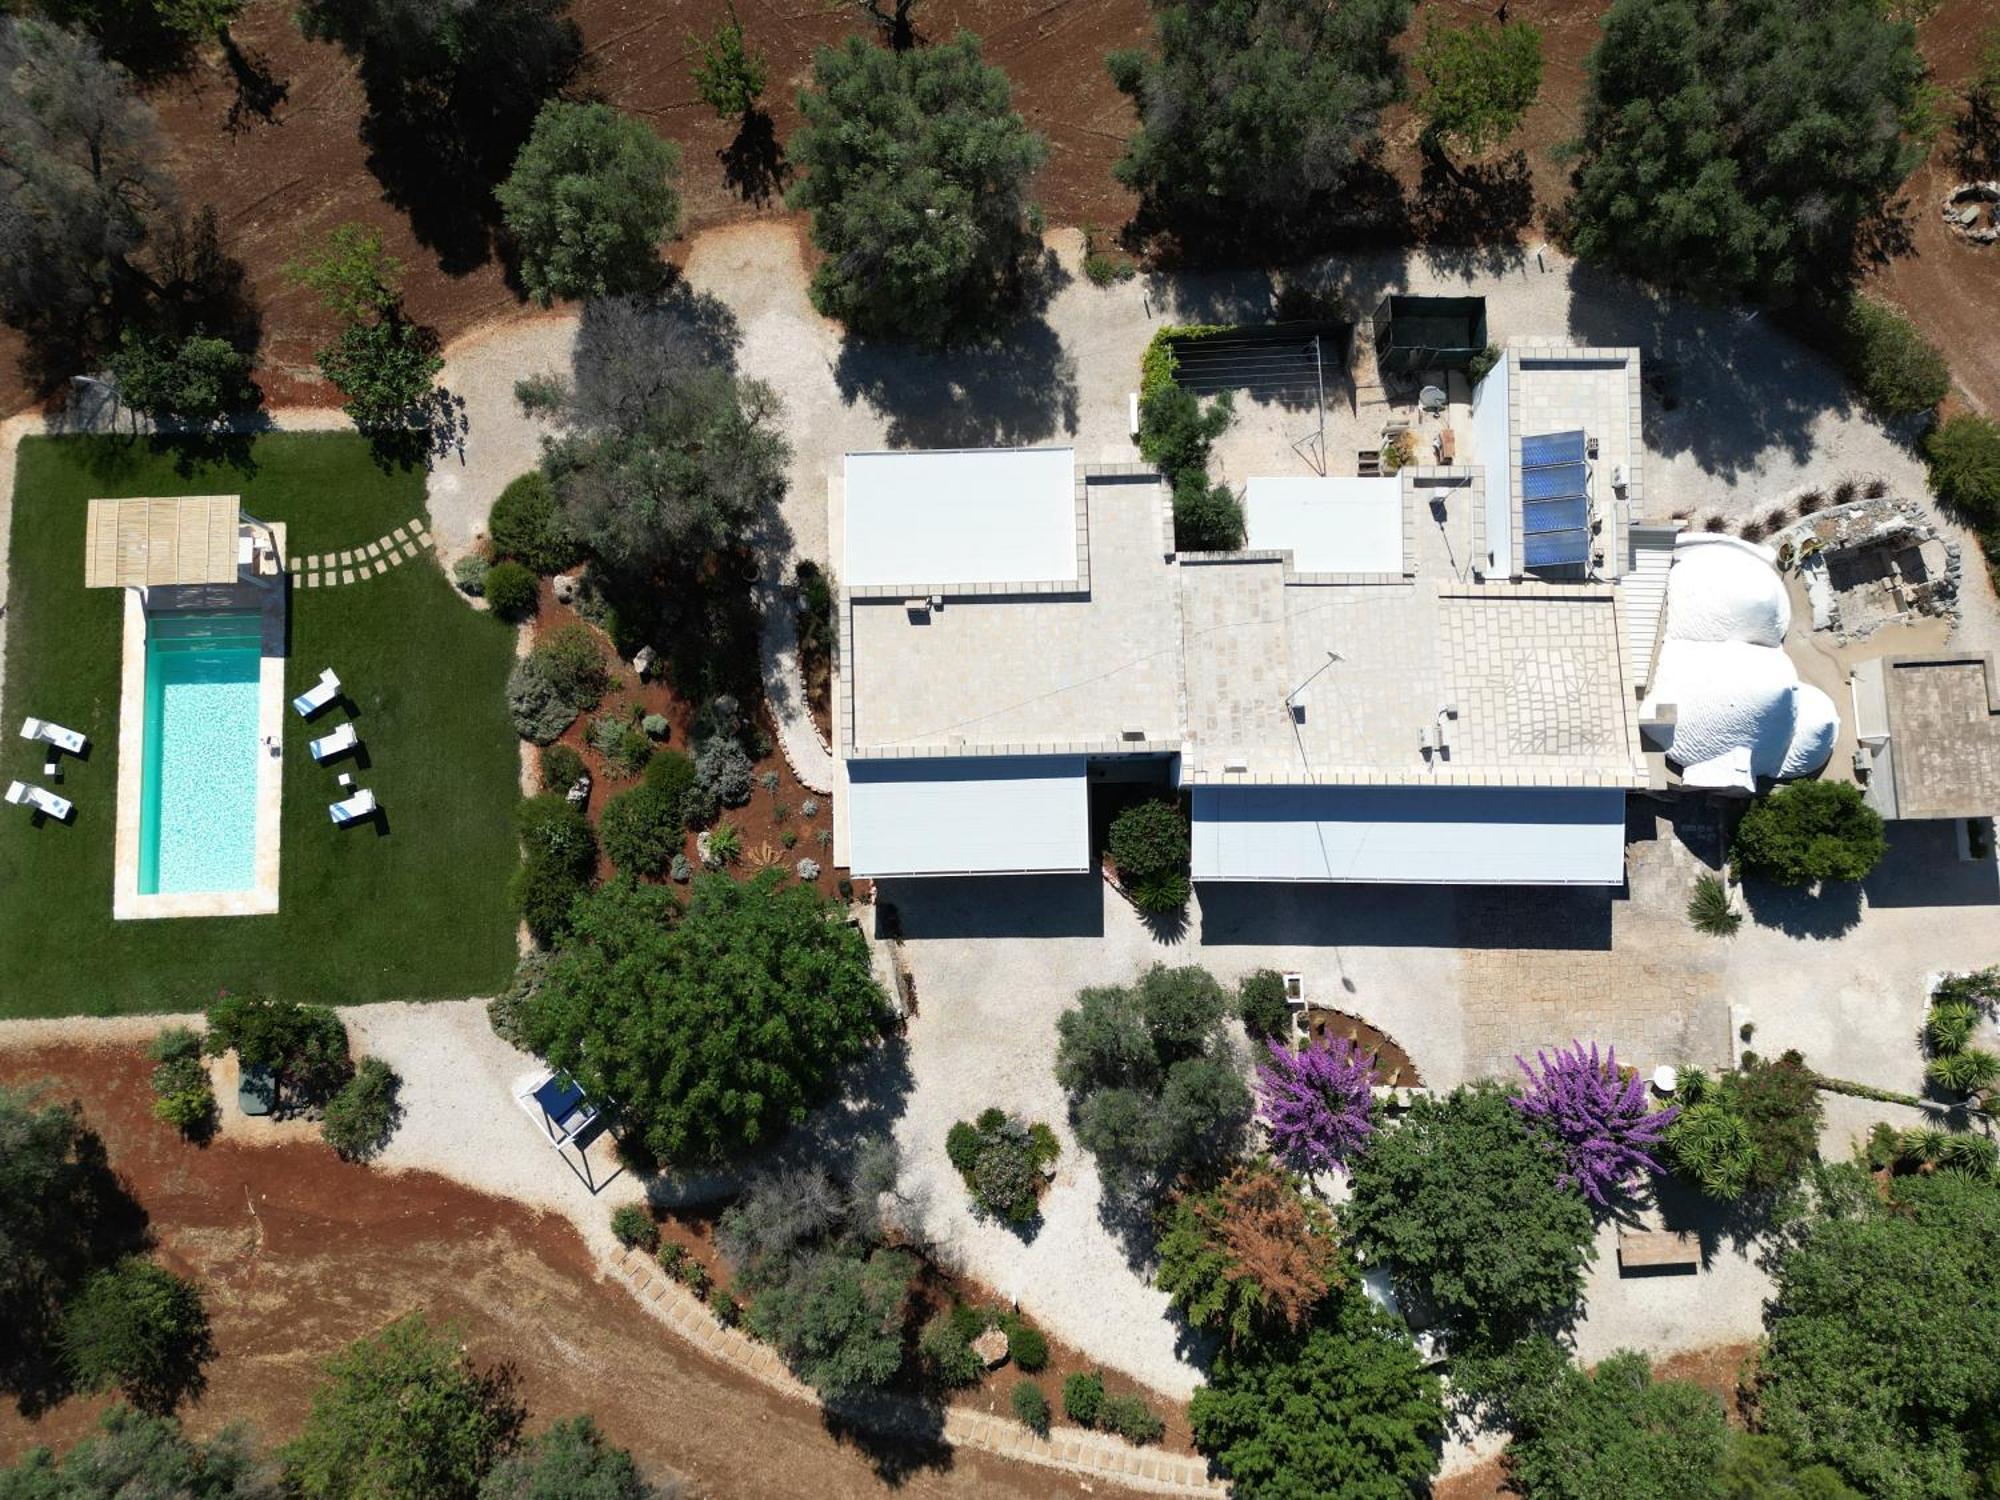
<point>1553,483</point>
<point>1552,448</point>
<point>1555,500</point>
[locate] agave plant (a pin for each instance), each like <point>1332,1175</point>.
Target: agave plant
<point>1950,1025</point>
<point>1599,1117</point>
<point>1964,1072</point>
<point>1709,909</point>
<point>1318,1103</point>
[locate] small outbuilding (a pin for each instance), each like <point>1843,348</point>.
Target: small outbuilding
<point>1414,334</point>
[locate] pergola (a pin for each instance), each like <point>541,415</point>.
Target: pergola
<point>188,540</point>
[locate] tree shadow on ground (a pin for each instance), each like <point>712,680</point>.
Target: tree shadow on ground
<point>1724,385</point>
<point>1365,210</point>
<point>901,1438</point>
<point>998,906</point>
<point>259,92</point>
<point>86,1220</point>
<point>1975,151</point>
<point>1922,868</point>
<point>1744,1225</point>
<point>1829,911</point>
<point>753,164</point>
<point>1468,220</point>
<point>1016,390</point>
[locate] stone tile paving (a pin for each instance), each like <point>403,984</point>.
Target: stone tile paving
<point>365,562</point>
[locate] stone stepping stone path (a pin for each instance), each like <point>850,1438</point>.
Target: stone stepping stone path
<point>358,564</point>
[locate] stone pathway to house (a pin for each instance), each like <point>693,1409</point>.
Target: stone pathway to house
<point>809,756</point>
<point>358,564</point>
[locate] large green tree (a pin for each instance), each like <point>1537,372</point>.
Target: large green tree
<point>589,200</point>
<point>1810,831</point>
<point>1343,1408</point>
<point>1882,1348</point>
<point>1734,146</point>
<point>662,454</point>
<point>916,173</point>
<point>132,1456</point>
<point>714,1027</point>
<point>403,1412</point>
<point>1154,1080</point>
<point>1616,1430</point>
<point>1253,111</point>
<point>1462,1201</point>
<point>197,380</point>
<point>139,1328</point>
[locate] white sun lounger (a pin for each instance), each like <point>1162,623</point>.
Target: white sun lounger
<point>55,734</point>
<point>316,697</point>
<point>329,745</point>
<point>22,795</point>
<point>359,806</point>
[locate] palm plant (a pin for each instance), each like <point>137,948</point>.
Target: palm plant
<point>1709,909</point>
<point>724,845</point>
<point>1711,1145</point>
<point>1976,1155</point>
<point>1950,1025</point>
<point>1924,1145</point>
<point>1964,1072</point>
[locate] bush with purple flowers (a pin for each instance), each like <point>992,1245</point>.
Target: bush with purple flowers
<point>1317,1103</point>
<point>1601,1118</point>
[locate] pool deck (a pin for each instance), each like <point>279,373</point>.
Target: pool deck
<point>268,600</point>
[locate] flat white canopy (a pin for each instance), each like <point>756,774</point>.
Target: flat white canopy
<point>988,515</point>
<point>969,815</point>
<point>1429,835</point>
<point>1339,525</point>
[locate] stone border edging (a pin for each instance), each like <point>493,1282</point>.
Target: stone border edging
<point>1071,1449</point>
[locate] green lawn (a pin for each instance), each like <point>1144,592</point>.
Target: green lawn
<point>416,910</point>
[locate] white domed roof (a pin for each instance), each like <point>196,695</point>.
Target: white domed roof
<point>1720,589</point>
<point>1728,694</point>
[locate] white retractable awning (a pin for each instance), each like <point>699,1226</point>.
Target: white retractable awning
<point>1431,835</point>
<point>969,815</point>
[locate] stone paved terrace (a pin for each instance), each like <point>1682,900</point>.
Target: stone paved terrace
<point>1041,669</point>
<point>1945,731</point>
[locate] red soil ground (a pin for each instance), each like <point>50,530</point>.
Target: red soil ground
<point>301,1254</point>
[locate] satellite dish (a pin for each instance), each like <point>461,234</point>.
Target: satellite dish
<point>1431,399</point>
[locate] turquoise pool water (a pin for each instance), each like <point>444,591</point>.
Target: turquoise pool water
<point>198,786</point>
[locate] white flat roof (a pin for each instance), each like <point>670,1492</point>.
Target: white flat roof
<point>985,515</point>
<point>1340,525</point>
<point>1430,835</point>
<point>972,815</point>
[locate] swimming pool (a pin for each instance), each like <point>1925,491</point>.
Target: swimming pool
<point>198,787</point>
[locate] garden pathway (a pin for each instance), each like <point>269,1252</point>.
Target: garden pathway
<point>805,751</point>
<point>359,564</point>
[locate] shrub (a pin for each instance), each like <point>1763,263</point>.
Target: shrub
<point>562,767</point>
<point>633,1227</point>
<point>1519,1238</point>
<point>1749,1131</point>
<point>527,524</point>
<point>837,1317</point>
<point>384,370</point>
<point>722,772</point>
<point>1131,1419</point>
<point>140,1328</point>
<point>1025,1345</point>
<point>1318,1102</point>
<point>1260,1001</point>
<point>362,1116</point>
<point>1031,1407</point>
<point>144,1456</point>
<point>558,861</point>
<point>808,870</point>
<point>1207,515</point>
<point>728,76</point>
<point>962,1144</point>
<point>947,1353</point>
<point>715,1027</point>
<point>1898,371</point>
<point>679,870</point>
<point>1149,845</point>
<point>1154,1081</point>
<point>570,1461</point>
<point>656,726</point>
<point>1478,82</point>
<point>1083,1398</point>
<point>1811,831</point>
<point>1710,1145</point>
<point>1964,457</point>
<point>182,1095</point>
<point>469,573</point>
<point>1177,429</point>
<point>511,591</point>
<point>728,1311</point>
<point>1597,1116</point>
<point>1949,1026</point>
<point>1709,909</point>
<point>1001,1159</point>
<point>560,678</point>
<point>642,830</point>
<point>1344,1408</point>
<point>622,743</point>
<point>1249,1257</point>
<point>725,846</point>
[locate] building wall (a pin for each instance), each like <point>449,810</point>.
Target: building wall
<point>1489,436</point>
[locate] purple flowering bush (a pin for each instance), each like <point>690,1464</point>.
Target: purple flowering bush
<point>1317,1102</point>
<point>1601,1120</point>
